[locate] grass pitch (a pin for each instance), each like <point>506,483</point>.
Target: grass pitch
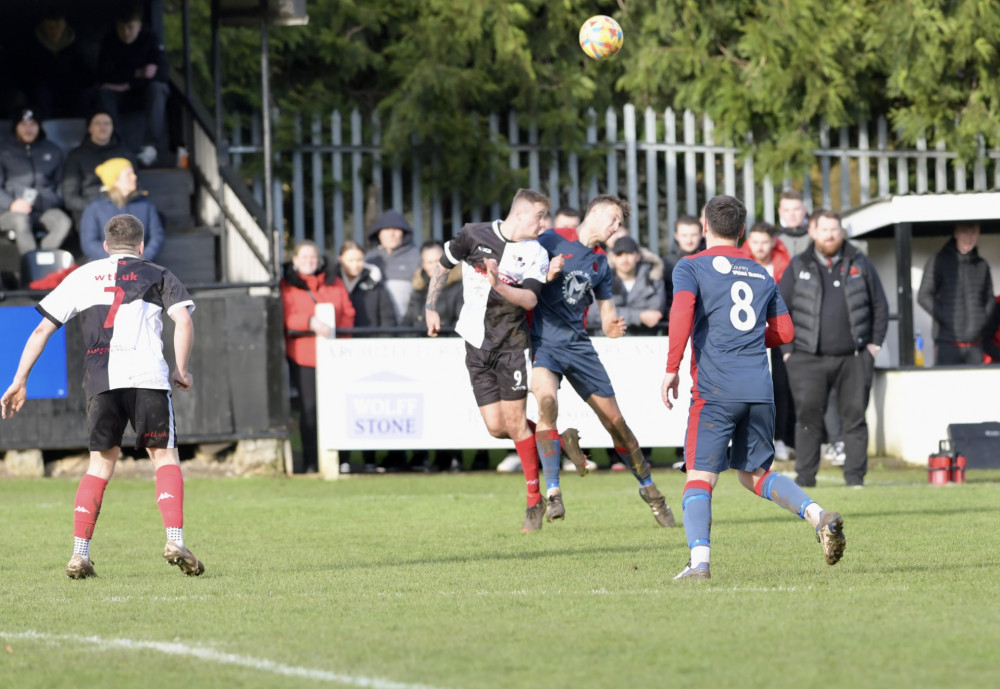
<point>401,581</point>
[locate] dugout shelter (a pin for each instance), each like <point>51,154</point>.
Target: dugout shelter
<point>912,407</point>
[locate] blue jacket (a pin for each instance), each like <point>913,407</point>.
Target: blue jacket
<point>97,214</point>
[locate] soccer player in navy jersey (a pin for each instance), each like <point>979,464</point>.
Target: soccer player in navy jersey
<point>731,310</point>
<point>561,347</point>
<point>503,270</point>
<point>121,300</point>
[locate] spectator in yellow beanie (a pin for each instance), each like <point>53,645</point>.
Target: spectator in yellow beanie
<point>120,194</point>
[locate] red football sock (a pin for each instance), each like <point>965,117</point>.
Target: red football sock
<point>170,495</point>
<point>528,452</point>
<point>89,496</point>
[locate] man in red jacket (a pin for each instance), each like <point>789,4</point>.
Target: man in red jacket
<point>764,247</point>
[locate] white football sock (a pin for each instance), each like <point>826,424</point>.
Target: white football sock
<point>81,546</point>
<point>176,535</point>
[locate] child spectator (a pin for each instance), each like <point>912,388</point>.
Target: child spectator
<point>132,77</point>
<point>30,173</point>
<point>122,196</point>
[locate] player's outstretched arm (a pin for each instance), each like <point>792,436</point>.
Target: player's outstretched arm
<point>183,343</point>
<point>612,324</point>
<point>431,315</point>
<point>13,399</point>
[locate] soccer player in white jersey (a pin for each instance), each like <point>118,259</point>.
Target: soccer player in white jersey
<point>121,300</point>
<point>503,270</point>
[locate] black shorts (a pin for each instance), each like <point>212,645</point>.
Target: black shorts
<point>151,413</point>
<point>497,375</point>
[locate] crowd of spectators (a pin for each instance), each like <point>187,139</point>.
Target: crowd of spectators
<point>53,72</point>
<point>822,380</point>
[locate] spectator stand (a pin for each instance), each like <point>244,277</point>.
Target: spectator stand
<point>218,242</point>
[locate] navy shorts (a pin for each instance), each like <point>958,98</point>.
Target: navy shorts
<point>497,375</point>
<point>712,424</point>
<point>151,413</point>
<point>578,363</point>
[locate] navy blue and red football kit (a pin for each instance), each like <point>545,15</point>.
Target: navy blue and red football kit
<point>559,339</point>
<point>732,311</point>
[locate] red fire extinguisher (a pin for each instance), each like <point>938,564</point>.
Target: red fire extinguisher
<point>939,465</point>
<point>957,474</point>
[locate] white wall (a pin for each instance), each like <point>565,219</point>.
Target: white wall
<point>910,410</point>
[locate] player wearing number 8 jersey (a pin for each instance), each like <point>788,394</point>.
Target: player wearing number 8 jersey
<point>120,300</point>
<point>731,310</point>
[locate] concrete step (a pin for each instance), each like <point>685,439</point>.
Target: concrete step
<point>191,254</point>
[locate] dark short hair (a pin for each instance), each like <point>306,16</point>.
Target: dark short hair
<point>726,216</point>
<point>686,220</point>
<point>826,213</point>
<point>568,211</point>
<point>123,231</point>
<point>531,196</point>
<point>431,244</point>
<point>613,199</point>
<point>763,226</point>
<point>790,195</point>
<point>128,11</point>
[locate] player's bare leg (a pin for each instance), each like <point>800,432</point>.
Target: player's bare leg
<point>784,492</point>
<point>170,501</point>
<point>627,445</point>
<point>89,496</point>
<point>507,419</point>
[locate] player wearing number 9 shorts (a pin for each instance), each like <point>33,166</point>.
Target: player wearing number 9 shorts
<point>121,300</point>
<point>503,270</point>
<point>732,311</point>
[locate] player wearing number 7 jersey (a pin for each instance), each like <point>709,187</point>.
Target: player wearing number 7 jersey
<point>732,311</point>
<point>120,300</point>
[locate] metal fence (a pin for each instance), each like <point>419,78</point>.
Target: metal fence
<point>666,164</point>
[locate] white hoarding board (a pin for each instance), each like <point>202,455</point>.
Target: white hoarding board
<point>410,393</point>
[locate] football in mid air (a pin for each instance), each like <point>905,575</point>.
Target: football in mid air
<point>601,37</point>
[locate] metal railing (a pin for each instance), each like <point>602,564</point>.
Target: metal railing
<point>665,163</point>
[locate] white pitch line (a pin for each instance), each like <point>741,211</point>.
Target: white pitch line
<point>178,649</point>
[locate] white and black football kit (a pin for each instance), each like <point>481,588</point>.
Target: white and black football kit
<point>121,300</point>
<point>495,330</point>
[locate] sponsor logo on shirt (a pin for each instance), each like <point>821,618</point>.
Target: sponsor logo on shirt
<point>575,286</point>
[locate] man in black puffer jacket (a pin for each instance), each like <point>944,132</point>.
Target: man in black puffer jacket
<point>840,315</point>
<point>30,173</point>
<point>957,291</point>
